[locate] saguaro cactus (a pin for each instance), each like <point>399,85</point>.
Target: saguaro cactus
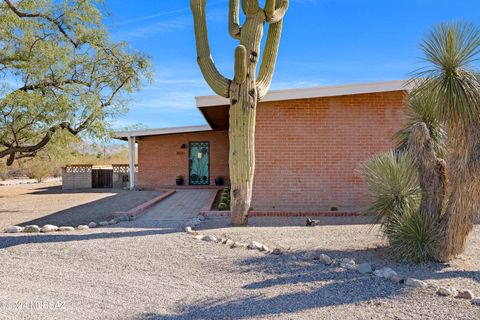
<point>246,89</point>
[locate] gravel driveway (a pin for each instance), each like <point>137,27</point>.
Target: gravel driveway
<point>43,203</point>
<point>152,270</point>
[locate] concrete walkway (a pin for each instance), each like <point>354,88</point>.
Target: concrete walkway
<point>181,206</point>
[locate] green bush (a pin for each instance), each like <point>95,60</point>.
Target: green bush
<point>413,238</point>
<point>224,199</point>
<point>3,170</point>
<point>393,183</point>
<point>334,208</point>
<point>222,206</point>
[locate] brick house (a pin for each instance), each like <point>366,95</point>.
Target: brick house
<point>309,145</point>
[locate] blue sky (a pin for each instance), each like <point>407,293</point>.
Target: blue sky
<point>325,42</point>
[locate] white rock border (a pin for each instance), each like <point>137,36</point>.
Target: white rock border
<point>346,263</point>
<point>49,228</point>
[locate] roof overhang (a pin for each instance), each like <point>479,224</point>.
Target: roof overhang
<point>215,108</point>
<point>124,135</point>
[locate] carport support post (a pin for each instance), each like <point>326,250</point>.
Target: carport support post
<point>131,161</point>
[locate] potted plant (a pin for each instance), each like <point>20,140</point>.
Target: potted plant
<point>219,181</point>
<point>179,181</point>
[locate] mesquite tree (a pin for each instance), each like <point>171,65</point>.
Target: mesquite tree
<point>60,74</point>
<point>246,89</point>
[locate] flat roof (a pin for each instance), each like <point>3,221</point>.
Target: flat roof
<point>215,108</point>
<point>315,92</point>
<point>161,131</point>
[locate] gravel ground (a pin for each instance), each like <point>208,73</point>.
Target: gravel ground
<point>43,203</point>
<point>152,270</point>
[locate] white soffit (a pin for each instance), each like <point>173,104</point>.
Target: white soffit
<point>316,92</point>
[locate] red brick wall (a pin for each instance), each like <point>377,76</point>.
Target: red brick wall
<point>161,159</point>
<point>308,151</point>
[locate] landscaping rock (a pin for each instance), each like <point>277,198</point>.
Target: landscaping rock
<point>210,238</point>
<point>364,268</point>
<point>13,229</point>
<point>348,264</point>
<point>310,256</point>
<point>66,229</point>
<point>92,225</point>
<point>31,229</point>
<point>324,259</point>
<point>265,248</point>
<point>103,223</point>
<point>415,283</point>
<point>196,221</point>
<point>277,251</point>
<point>444,292</point>
<point>385,273</point>
<point>396,279</point>
<point>238,245</point>
<point>113,221</point>
<point>465,294</point>
<point>82,227</point>
<point>199,236</point>
<point>254,245</point>
<point>476,301</point>
<point>229,242</point>
<point>122,218</point>
<point>188,229</point>
<point>49,228</point>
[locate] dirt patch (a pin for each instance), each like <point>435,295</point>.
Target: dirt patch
<point>44,203</point>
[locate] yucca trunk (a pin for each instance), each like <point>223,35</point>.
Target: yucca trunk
<point>451,201</point>
<point>463,191</point>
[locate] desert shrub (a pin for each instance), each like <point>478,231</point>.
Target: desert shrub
<point>224,198</point>
<point>3,170</point>
<point>222,206</point>
<point>38,169</point>
<point>334,208</point>
<point>393,184</point>
<point>413,238</point>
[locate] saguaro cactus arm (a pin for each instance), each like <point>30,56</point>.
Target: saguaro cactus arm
<point>252,7</point>
<point>240,64</point>
<point>219,84</point>
<point>269,59</point>
<point>275,10</point>
<point>233,19</point>
<point>244,6</point>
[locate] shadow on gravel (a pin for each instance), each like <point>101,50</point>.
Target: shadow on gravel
<point>96,210</point>
<point>292,286</point>
<point>11,241</point>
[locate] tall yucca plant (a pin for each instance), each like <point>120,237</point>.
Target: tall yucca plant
<point>453,86</point>
<point>392,181</point>
<point>421,108</point>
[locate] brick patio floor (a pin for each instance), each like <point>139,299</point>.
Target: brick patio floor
<point>182,205</point>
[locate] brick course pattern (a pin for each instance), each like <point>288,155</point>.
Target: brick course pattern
<point>161,158</point>
<point>307,151</point>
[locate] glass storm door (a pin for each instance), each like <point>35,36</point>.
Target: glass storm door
<point>199,163</point>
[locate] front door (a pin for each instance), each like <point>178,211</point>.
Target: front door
<point>199,163</point>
